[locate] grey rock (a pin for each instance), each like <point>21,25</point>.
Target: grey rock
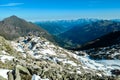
<point>23,69</point>
<point>1,78</point>
<point>10,76</point>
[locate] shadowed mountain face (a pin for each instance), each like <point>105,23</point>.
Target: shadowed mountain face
<point>104,41</point>
<point>81,35</point>
<point>52,27</point>
<point>14,27</point>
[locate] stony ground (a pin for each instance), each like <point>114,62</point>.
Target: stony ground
<point>110,52</point>
<point>35,58</point>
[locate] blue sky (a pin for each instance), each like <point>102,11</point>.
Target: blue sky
<point>37,10</point>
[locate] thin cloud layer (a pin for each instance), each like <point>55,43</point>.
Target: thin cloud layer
<point>11,4</point>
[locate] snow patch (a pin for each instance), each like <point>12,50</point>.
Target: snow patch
<point>70,62</point>
<point>78,72</point>
<point>3,58</point>
<point>4,52</point>
<point>17,46</point>
<point>99,74</point>
<point>3,73</point>
<point>48,52</point>
<point>101,65</point>
<point>36,77</point>
<point>113,64</point>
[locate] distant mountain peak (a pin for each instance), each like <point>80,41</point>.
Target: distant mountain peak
<point>14,27</point>
<point>13,18</point>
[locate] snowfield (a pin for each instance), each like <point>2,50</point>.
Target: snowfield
<point>115,64</point>
<point>101,65</point>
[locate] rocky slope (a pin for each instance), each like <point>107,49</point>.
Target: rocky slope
<point>106,47</point>
<point>35,58</point>
<point>103,41</point>
<point>105,53</point>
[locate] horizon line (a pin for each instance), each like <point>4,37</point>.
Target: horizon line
<point>59,19</point>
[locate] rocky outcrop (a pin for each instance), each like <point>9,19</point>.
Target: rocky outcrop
<point>19,73</point>
<point>116,72</point>
<point>5,45</point>
<point>109,53</point>
<point>10,76</point>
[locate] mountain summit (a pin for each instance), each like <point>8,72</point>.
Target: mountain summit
<point>14,27</point>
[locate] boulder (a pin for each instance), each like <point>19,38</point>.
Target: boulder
<point>10,76</point>
<point>20,73</point>
<point>22,69</point>
<point>115,72</point>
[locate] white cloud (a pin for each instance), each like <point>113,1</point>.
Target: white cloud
<point>11,4</point>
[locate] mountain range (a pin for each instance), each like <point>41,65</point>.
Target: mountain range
<point>69,34</point>
<point>60,26</point>
<point>28,53</point>
<point>78,35</point>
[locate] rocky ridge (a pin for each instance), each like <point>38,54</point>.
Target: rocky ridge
<point>35,58</point>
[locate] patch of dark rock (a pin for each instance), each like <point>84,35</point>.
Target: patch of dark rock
<point>115,72</point>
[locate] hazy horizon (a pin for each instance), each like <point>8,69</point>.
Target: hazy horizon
<point>44,10</point>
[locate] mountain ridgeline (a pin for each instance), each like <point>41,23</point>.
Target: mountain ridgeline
<point>32,56</point>
<point>60,26</point>
<point>110,39</point>
<point>14,27</point>
<point>70,34</point>
<point>78,35</point>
